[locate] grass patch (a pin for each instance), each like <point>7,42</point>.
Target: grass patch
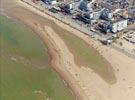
<point>25,72</point>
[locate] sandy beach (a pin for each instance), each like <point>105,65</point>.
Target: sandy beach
<point>84,83</point>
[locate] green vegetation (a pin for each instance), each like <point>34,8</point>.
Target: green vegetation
<point>25,72</point>
<point>88,56</point>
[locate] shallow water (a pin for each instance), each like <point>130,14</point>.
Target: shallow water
<point>25,70</point>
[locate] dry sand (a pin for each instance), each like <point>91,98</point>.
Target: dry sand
<point>86,84</point>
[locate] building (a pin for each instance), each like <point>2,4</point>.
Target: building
<point>119,3</point>
<point>132,11</point>
<point>118,25</point>
<point>106,14</point>
<point>97,13</point>
<point>84,18</point>
<point>85,6</point>
<point>104,27</point>
<point>115,25</point>
<point>107,6</point>
<point>89,17</point>
<point>50,2</point>
<point>67,8</point>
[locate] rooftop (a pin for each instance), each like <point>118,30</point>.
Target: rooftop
<point>117,18</point>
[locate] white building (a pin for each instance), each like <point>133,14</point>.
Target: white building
<point>118,25</point>
<point>51,2</point>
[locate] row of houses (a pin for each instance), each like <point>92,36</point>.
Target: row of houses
<point>91,11</point>
<point>111,23</point>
